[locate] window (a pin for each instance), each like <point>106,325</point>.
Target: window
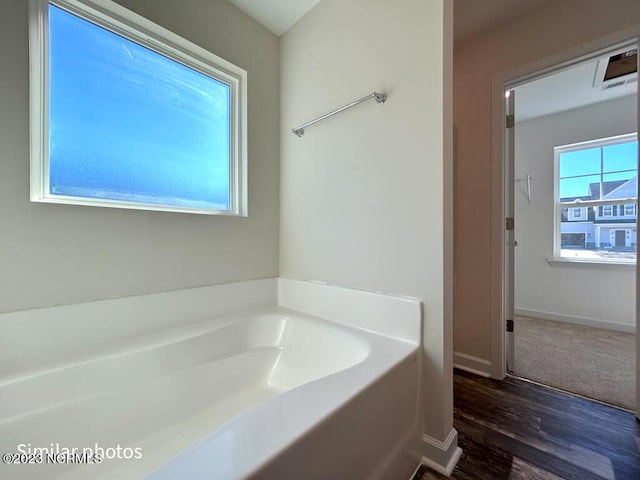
<point>126,114</point>
<point>576,213</point>
<point>629,210</point>
<point>601,177</point>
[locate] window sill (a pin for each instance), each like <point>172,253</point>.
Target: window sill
<point>564,261</point>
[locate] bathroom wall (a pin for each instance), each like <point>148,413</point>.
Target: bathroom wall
<point>555,28</point>
<point>364,194</point>
<point>61,254</point>
<point>602,295</point>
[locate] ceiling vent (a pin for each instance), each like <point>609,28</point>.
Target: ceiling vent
<point>619,83</point>
<point>617,69</point>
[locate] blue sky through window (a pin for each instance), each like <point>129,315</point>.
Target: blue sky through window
<point>129,124</point>
<point>580,168</point>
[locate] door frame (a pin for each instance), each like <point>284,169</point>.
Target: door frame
<point>509,155</point>
<point>500,84</point>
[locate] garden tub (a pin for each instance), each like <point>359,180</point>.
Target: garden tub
<point>268,393</point>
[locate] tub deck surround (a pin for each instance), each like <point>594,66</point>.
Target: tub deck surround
<point>35,339</point>
<point>376,312</point>
<point>269,392</point>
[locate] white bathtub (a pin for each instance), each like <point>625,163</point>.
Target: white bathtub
<point>270,393</point>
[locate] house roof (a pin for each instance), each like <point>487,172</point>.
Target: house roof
<point>628,189</point>
<point>612,190</point>
<point>607,188</point>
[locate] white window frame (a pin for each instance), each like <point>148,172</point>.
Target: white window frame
<point>559,206</point>
<point>121,21</point>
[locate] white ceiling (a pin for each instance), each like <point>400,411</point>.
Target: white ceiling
<point>276,15</point>
<point>565,90</point>
<point>471,17</point>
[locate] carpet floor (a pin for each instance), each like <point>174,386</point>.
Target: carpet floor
<point>592,362</point>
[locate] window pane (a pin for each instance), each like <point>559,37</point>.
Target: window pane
<point>623,156</point>
<point>602,232</point>
<point>582,187</point>
<point>608,243</point>
<point>129,124</point>
<point>581,162</point>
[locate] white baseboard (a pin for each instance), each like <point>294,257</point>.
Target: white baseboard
<point>416,471</point>
<point>471,364</point>
<point>441,456</point>
<point>587,322</point>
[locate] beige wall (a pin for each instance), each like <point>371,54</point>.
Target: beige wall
<point>362,193</point>
<point>594,294</point>
<point>560,26</point>
<point>61,254</point>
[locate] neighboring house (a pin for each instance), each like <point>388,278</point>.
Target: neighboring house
<point>605,226</point>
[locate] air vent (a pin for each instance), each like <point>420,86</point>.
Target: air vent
<point>614,85</point>
<point>617,69</point>
<point>619,83</point>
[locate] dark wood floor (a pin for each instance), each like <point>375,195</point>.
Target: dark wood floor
<point>518,430</point>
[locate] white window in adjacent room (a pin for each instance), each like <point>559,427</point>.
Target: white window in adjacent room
<point>598,178</point>
<point>127,114</point>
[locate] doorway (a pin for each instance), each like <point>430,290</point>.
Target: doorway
<point>584,228</point>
